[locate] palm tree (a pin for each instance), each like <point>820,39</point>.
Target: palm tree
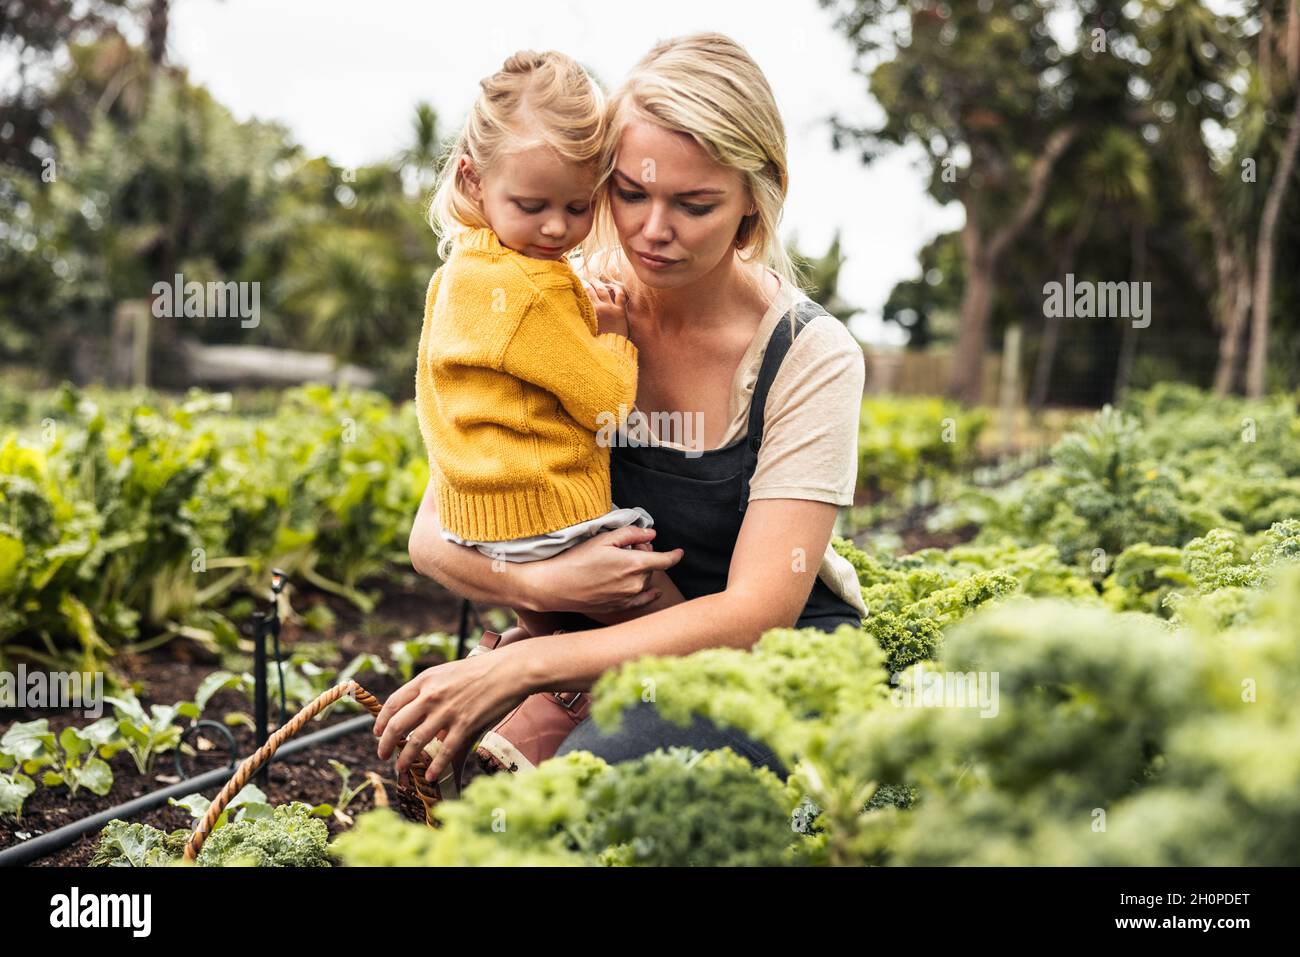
<point>1277,88</point>
<point>1193,52</point>
<point>419,161</point>
<point>821,277</point>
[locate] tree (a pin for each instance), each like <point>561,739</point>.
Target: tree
<point>821,278</point>
<point>969,82</point>
<point>928,307</point>
<point>1191,53</point>
<point>32,34</point>
<point>1277,88</point>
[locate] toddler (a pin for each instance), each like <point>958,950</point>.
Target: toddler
<point>517,370</point>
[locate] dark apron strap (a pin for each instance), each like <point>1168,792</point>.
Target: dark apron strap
<point>777,346</point>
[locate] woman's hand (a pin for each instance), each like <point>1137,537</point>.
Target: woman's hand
<point>607,573</point>
<point>451,701</point>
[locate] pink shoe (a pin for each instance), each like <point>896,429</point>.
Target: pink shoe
<point>533,731</point>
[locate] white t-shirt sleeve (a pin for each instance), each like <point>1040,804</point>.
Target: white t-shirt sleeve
<point>810,431</point>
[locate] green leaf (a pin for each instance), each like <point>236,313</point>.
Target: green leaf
<point>132,733</point>
<point>101,732</point>
<point>11,558</point>
<point>14,790</point>
<point>217,681</point>
<point>73,744</point>
<point>27,739</point>
<point>129,707</point>
<point>196,804</point>
<point>96,776</point>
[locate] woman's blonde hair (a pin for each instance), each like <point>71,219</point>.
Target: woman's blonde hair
<point>707,86</point>
<point>534,99</point>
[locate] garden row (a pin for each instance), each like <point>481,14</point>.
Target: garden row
<point>127,518</point>
<point>1104,677</point>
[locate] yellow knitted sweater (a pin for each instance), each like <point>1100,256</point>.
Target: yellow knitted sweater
<point>510,386</point>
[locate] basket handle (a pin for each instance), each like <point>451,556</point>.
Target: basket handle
<point>426,792</point>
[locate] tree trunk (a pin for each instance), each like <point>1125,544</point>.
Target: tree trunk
<point>1225,376</point>
<point>1043,364</point>
<point>1231,266</point>
<point>1266,249</point>
<point>1052,324</point>
<point>1128,341</point>
<point>158,24</point>
<point>982,261</point>
<point>976,307</point>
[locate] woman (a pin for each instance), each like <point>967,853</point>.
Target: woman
<point>772,384</point>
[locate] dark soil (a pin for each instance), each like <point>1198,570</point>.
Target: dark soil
<point>306,777</point>
<point>915,536</point>
<point>408,607</point>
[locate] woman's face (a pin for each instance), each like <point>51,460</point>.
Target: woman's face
<point>676,209</point>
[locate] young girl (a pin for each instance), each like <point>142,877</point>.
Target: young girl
<point>518,373</point>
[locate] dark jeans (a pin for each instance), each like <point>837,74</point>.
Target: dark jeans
<point>642,730</point>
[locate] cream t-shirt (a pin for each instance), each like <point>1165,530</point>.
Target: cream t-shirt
<point>810,428</point>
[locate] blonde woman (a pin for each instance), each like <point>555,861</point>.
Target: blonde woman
<point>686,224</point>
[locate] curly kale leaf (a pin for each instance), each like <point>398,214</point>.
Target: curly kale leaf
<point>291,837</point>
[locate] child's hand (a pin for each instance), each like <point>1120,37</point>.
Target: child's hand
<point>610,300</point>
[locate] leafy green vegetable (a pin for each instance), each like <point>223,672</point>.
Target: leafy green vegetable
<point>250,802</point>
<point>291,837</point>
<point>658,810</point>
<point>146,734</point>
<point>74,763</point>
<point>138,845</point>
<point>15,788</point>
<point>432,645</point>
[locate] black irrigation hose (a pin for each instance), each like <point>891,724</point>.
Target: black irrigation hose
<point>47,844</point>
<point>231,748</point>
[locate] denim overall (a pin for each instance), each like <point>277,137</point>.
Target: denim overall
<point>698,504</point>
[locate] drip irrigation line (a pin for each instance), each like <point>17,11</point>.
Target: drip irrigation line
<point>47,844</point>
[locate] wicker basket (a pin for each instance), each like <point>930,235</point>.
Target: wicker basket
<point>416,797</point>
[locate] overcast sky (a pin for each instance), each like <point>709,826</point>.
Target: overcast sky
<point>345,78</point>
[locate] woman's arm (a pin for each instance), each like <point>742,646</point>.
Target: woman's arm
<point>773,568</point>
<point>598,577</point>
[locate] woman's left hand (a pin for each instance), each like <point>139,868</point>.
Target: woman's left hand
<point>451,701</point>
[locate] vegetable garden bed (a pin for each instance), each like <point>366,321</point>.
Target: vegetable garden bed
<point>1136,597</point>
<point>175,672</point>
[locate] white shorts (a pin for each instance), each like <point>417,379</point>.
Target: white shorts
<point>537,547</point>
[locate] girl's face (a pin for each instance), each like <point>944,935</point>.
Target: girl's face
<point>675,208</point>
<point>536,202</point>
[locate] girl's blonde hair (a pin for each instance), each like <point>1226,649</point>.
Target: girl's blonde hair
<point>534,99</point>
<point>707,86</point>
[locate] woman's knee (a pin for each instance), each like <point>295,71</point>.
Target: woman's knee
<point>643,730</point>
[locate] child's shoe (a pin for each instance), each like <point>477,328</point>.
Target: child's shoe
<point>533,731</point>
